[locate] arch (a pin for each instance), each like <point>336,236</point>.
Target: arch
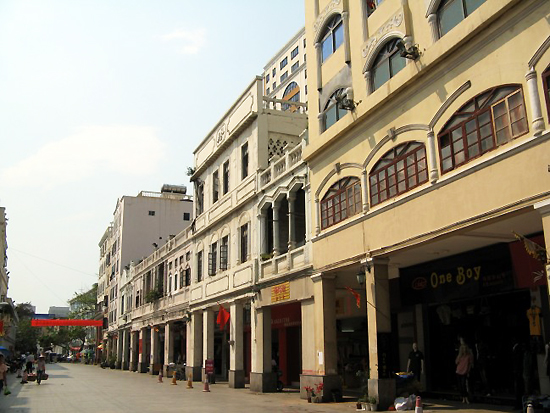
<point>341,201</point>
<point>399,170</point>
<point>539,53</point>
<point>331,37</point>
<point>291,86</point>
<point>332,112</point>
<point>324,22</point>
<point>244,218</point>
<point>335,171</point>
<point>378,45</point>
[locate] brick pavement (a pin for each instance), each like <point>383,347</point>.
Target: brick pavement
<point>86,389</point>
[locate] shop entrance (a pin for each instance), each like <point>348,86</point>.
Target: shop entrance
<point>286,342</point>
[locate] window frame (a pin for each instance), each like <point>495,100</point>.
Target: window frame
<point>331,212</point>
<point>224,253</point>
<point>294,52</point>
<point>199,266</point>
<point>243,236</point>
<point>385,54</point>
<point>389,166</point>
<point>283,63</point>
<point>333,26</point>
<point>225,184</point>
<point>215,186</point>
<point>213,259</point>
<point>333,103</point>
<point>244,160</point>
<point>487,107</point>
<point>445,5</point>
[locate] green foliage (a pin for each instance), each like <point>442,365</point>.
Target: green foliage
<point>84,303</point>
<point>153,295</point>
<point>27,336</point>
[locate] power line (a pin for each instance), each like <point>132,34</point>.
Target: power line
<point>55,263</point>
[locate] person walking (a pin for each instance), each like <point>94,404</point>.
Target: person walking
<point>29,363</point>
<point>416,362</point>
<point>40,369</point>
<point>464,363</point>
<point>3,374</point>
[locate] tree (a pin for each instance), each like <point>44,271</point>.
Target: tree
<point>84,307</point>
<point>27,336</point>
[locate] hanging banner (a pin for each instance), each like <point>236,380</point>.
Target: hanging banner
<point>54,322</point>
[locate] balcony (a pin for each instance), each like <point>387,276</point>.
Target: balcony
<point>293,260</point>
<point>288,107</point>
<point>281,167</point>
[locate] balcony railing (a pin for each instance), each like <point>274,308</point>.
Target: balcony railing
<point>285,106</point>
<point>280,167</point>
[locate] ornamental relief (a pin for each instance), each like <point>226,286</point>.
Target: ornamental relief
<point>221,134</point>
<point>391,24</point>
<point>323,14</point>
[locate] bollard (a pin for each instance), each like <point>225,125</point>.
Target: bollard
<point>418,408</point>
<point>160,377</point>
<point>206,384</point>
<point>530,408</point>
<point>190,381</point>
<point>174,382</point>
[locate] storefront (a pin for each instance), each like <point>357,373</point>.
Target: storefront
<point>483,297</point>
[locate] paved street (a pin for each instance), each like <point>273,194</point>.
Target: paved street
<point>86,389</point>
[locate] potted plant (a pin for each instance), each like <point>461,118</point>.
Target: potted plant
<point>319,392</point>
<point>373,403</point>
<point>310,393</point>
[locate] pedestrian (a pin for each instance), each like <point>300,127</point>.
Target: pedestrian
<point>29,363</point>
<point>40,369</point>
<point>416,362</point>
<point>464,363</point>
<point>3,373</point>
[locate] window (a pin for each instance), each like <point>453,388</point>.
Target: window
<point>489,120</point>
<point>294,67</point>
<point>387,64</point>
<point>151,214</point>
<point>199,266</point>
<point>546,84</point>
<point>372,5</point>
<point>244,160</point>
<point>182,279</point>
<point>304,43</point>
<point>176,282</point>
<point>186,216</point>
<point>224,253</point>
<point>213,258</point>
<point>341,201</point>
<point>333,113</point>
<point>284,76</point>
<point>244,243</point>
<point>215,186</point>
<point>292,94</point>
<point>398,171</point>
<point>200,197</point>
<point>267,78</point>
<point>333,37</point>
<point>226,177</point>
<point>169,283</point>
<point>274,71</point>
<point>452,12</point>
<point>283,63</point>
<point>294,53</point>
<point>187,277</point>
<point>267,91</point>
<point>274,86</point>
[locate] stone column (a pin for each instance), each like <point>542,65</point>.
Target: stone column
<point>434,29</point>
<point>208,340</point>
<point>291,222</point>
<point>319,60</point>
<point>126,351</point>
<point>345,21</point>
<point>325,358</point>
<point>308,346</point>
<point>368,81</point>
<point>432,158</point>
<point>275,228</point>
<point>263,233</point>
<point>119,349</point>
<point>154,359</point>
<point>379,322</point>
<point>262,379</point>
<point>236,346</point>
<point>194,347</point>
<point>317,217</point>
<point>133,350</point>
<point>364,191</point>
<point>143,358</point>
<point>544,208</point>
<point>534,100</point>
<point>168,349</point>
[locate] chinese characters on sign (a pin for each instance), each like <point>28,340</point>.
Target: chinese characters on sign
<point>280,292</point>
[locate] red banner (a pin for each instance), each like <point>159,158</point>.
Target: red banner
<point>56,322</point>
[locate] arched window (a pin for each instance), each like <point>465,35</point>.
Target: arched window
<point>398,171</point>
<point>452,12</point>
<point>341,201</point>
<point>332,112</point>
<point>333,37</point>
<point>292,94</point>
<point>489,120</point>
<point>387,63</point>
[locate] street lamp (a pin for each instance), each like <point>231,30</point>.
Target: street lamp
<point>361,276</point>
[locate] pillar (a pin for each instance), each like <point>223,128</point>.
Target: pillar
<point>364,192</point>
<point>544,208</point>
<point>126,351</point>
<point>236,346</point>
<point>119,349</point>
<point>434,29</point>
<point>275,228</point>
<point>308,345</point>
<point>154,363</point>
<point>368,81</point>
<point>379,322</point>
<point>432,157</point>
<point>291,222</point>
<point>319,60</point>
<point>194,346</point>
<point>133,350</point>
<point>207,339</point>
<point>262,378</point>
<point>143,362</point>
<point>345,21</point>
<point>263,233</point>
<point>168,349</point>
<point>534,100</point>
<point>317,217</point>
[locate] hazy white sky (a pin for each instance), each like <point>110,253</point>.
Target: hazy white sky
<point>104,98</point>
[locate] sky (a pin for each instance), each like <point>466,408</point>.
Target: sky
<point>105,98</point>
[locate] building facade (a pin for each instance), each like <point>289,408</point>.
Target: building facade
<point>428,135</point>
<point>8,316</point>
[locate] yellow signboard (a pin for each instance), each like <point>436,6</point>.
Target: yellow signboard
<point>280,292</point>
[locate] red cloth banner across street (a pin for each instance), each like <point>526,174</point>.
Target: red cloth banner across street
<point>56,322</point>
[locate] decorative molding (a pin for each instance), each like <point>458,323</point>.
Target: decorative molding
<point>449,102</point>
<point>391,24</point>
<point>332,8</point>
<point>538,54</point>
<point>331,174</point>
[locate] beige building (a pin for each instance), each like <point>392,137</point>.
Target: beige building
<point>428,148</point>
<point>8,316</point>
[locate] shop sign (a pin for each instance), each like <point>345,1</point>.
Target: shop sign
<point>209,366</point>
<point>280,292</point>
<point>483,271</point>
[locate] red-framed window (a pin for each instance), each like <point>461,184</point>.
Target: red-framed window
<point>341,201</point>
<point>398,171</point>
<point>487,121</point>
